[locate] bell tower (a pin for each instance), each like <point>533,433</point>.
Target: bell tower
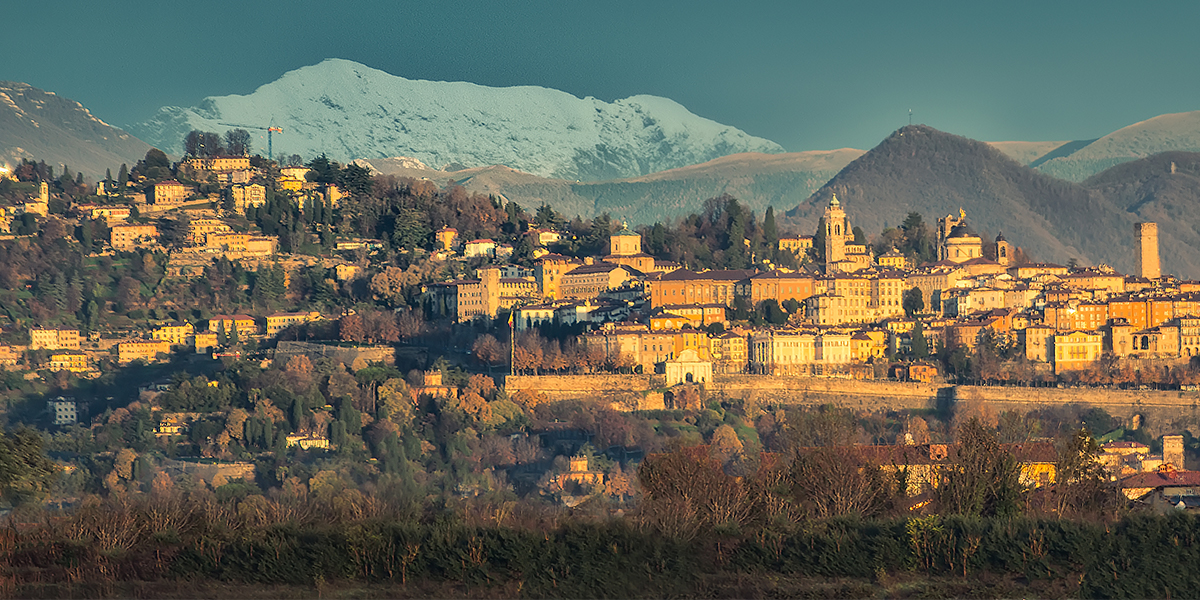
<point>835,233</point>
<point>1003,251</point>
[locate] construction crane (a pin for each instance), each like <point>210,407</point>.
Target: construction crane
<point>269,129</point>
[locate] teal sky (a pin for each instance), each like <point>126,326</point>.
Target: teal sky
<point>807,75</point>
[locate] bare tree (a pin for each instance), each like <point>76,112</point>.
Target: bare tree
<point>237,142</point>
<point>837,481</point>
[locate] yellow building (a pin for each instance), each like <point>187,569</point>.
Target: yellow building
<point>279,321</point>
<point>216,163</point>
<point>199,229</point>
<point>548,273</point>
<point>124,237</point>
<point>483,297</point>
<point>202,342</point>
<point>589,281</point>
<point>307,441</point>
<point>637,346</point>
<point>666,321</point>
<point>53,339</point>
<point>290,184</point>
<point>227,240</point>
<point>247,195</point>
<point>1076,350</point>
<point>147,350</point>
<point>729,352</point>
<point>346,272</point>
<point>69,360</point>
<point>893,259</point>
<point>797,245</point>
<point>868,345</point>
<point>697,315</point>
<point>109,213</point>
<point>168,193</point>
<point>625,248</point>
<point>925,463</point>
<point>174,333</point>
<point>932,281</point>
<point>244,324</point>
<point>446,237</point>
<point>261,245</point>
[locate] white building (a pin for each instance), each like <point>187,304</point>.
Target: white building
<point>63,411</point>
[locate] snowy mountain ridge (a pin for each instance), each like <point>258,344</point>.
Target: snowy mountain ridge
<point>347,111</point>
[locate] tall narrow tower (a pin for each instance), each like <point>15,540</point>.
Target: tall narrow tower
<point>1003,251</point>
<point>1147,248</point>
<point>835,233</point>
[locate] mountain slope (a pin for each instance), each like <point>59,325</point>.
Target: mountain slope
<point>41,125</point>
<point>1027,152</point>
<point>348,111</point>
<point>1165,189</point>
<point>759,180</point>
<point>1164,133</point>
<point>921,169</point>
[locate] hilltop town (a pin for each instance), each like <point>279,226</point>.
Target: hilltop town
<point>223,324</point>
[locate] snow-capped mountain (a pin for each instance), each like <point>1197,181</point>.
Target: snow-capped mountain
<point>40,125</point>
<point>347,111</point>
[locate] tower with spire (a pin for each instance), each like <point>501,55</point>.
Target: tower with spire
<point>835,233</point>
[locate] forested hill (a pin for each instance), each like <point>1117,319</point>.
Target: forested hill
<point>921,169</point>
<point>1164,188</point>
<point>757,180</point>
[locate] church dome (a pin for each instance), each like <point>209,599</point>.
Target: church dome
<point>962,230</point>
<point>1000,238</point>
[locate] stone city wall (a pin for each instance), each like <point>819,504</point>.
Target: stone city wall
<point>1169,406</point>
<point>624,392</point>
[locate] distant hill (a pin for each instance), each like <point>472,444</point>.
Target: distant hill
<point>1164,133</point>
<point>759,180</point>
<point>921,169</point>
<point>348,111</point>
<point>1164,188</point>
<point>41,125</point>
<point>1027,152</point>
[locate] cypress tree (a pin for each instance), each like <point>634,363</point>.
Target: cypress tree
<point>770,234</point>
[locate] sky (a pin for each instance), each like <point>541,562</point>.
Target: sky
<point>807,75</point>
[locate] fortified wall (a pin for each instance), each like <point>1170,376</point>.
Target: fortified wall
<point>628,392</point>
<point>1161,406</point>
